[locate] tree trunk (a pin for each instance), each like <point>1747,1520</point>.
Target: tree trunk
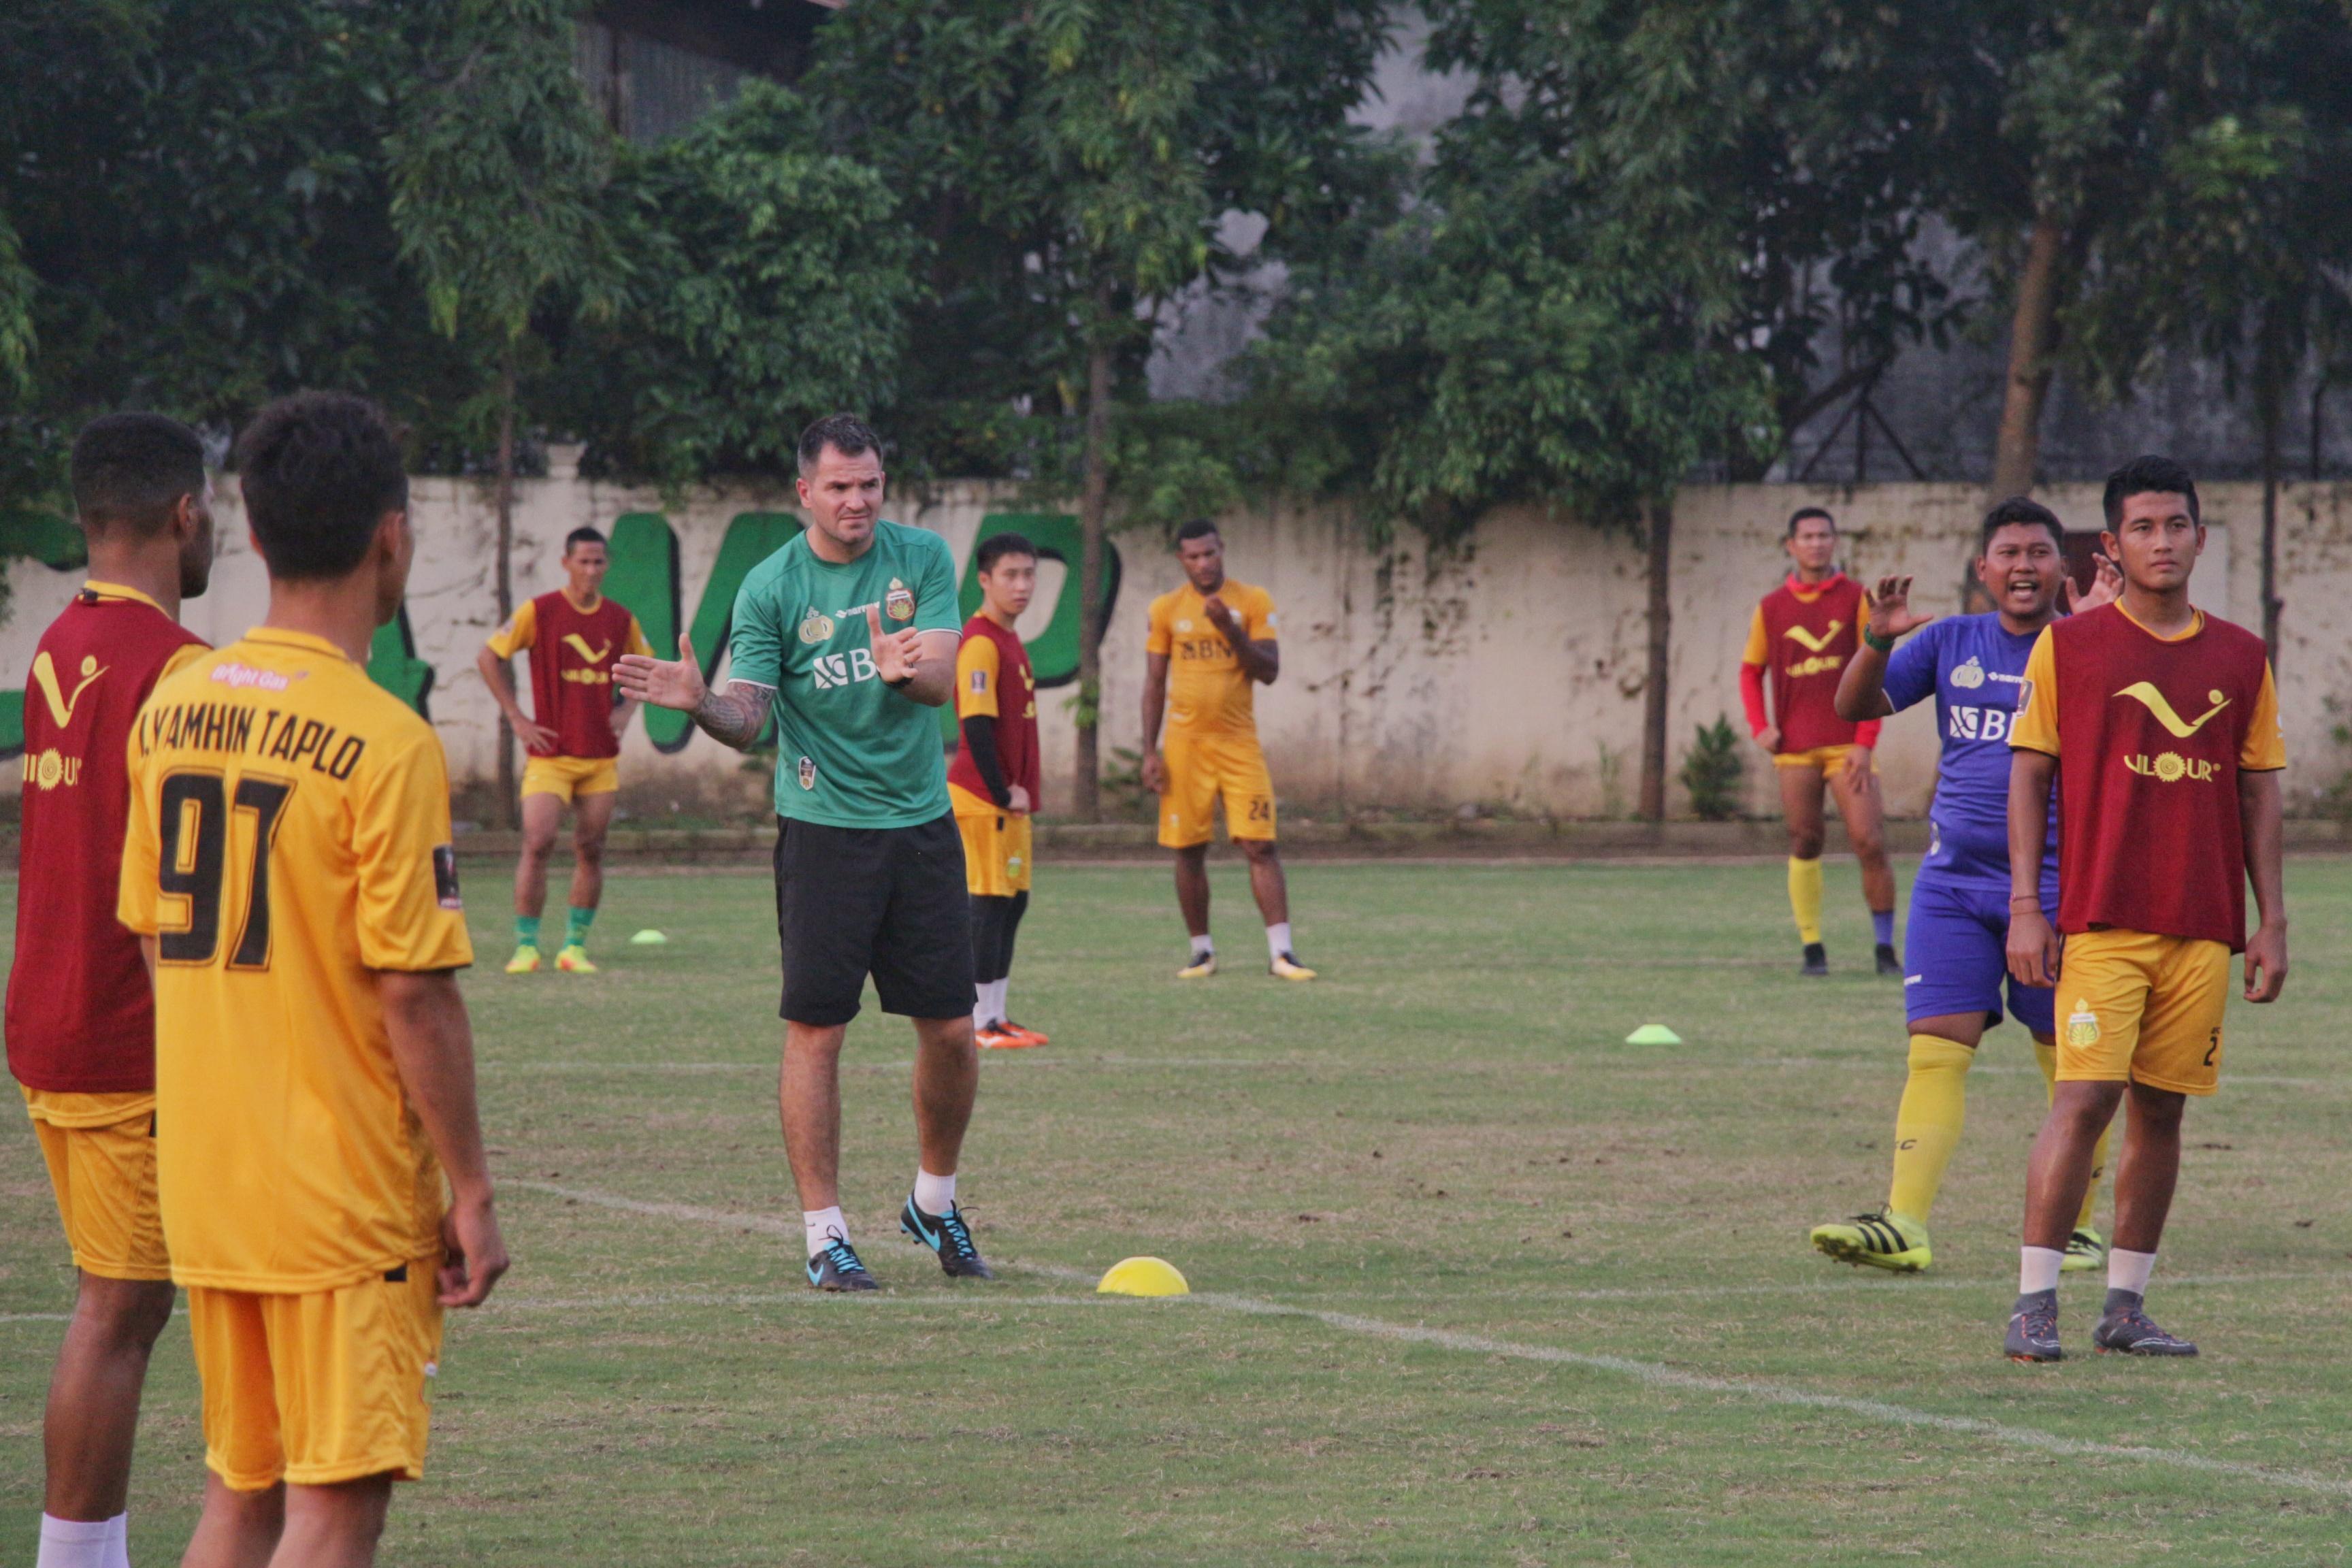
<point>2032,335</point>
<point>1087,796</point>
<point>505,569</point>
<point>1654,705</point>
<point>2272,397</point>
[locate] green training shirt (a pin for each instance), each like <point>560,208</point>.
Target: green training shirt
<point>850,752</point>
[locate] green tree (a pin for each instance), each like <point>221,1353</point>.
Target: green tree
<point>766,281</point>
<point>1070,162</point>
<point>496,166</point>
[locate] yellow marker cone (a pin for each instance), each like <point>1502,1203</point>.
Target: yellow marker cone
<point>1143,1277</point>
<point>648,938</point>
<point>1653,1035</point>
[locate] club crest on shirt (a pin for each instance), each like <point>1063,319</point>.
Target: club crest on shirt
<point>898,603</point>
<point>808,773</point>
<point>816,626</point>
<point>1184,625</point>
<point>1969,675</point>
<point>2082,1025</point>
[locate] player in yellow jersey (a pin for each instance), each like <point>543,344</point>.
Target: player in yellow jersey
<point>288,868</point>
<point>1208,644</point>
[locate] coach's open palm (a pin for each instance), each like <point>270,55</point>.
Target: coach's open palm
<point>665,683</point>
<point>1891,614</point>
<point>895,654</point>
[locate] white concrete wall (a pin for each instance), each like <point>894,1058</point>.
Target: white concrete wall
<point>1507,671</point>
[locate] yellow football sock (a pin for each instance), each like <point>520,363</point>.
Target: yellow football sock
<point>1928,1123</point>
<point>2047,1055</point>
<point>1805,898</point>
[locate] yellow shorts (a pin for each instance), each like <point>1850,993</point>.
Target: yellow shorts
<point>1830,760</point>
<point>1205,769</point>
<point>995,845</point>
<point>2133,1007</point>
<point>100,1150</point>
<point>567,776</point>
<point>318,1388</point>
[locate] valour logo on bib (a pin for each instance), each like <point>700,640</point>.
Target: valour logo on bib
<point>2145,693</point>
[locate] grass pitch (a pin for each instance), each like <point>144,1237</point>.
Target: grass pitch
<point>1476,1283</point>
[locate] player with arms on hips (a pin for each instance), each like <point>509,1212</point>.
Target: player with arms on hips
<point>2160,725</point>
<point>572,736</point>
<point>994,777</point>
<point>81,1016</point>
<point>1974,666</point>
<point>289,872</point>
<point>1208,645</point>
<point>848,636</point>
<point>1799,639</point>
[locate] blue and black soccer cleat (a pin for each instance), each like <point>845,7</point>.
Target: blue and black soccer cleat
<point>2128,1329</point>
<point>838,1269</point>
<point>2034,1328</point>
<point>948,1238</point>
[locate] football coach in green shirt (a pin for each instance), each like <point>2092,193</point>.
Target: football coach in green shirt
<point>847,636</point>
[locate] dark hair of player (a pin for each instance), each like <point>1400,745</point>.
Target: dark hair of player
<point>997,546</point>
<point>320,469</point>
<point>581,536</point>
<point>845,433</point>
<point>130,470</point>
<point>1199,527</point>
<point>2149,475</point>
<point>1803,512</point>
<point>2021,509</point>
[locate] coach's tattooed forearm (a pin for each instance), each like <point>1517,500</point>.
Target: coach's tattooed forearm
<point>735,715</point>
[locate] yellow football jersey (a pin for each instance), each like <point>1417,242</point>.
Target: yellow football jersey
<point>290,835</point>
<point>1208,692</point>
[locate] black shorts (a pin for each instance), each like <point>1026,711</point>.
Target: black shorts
<point>888,901</point>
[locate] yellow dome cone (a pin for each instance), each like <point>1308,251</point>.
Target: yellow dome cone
<point>1143,1277</point>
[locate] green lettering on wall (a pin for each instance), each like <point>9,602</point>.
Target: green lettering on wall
<point>1053,652</point>
<point>644,577</point>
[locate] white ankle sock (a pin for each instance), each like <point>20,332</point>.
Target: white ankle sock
<point>1277,939</point>
<point>1202,948</point>
<point>2037,1269</point>
<point>2129,1270</point>
<point>118,1542</point>
<point>821,1225</point>
<point>1003,1007</point>
<point>76,1543</point>
<point>933,1194</point>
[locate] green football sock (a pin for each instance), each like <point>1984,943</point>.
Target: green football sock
<point>575,929</point>
<point>526,930</point>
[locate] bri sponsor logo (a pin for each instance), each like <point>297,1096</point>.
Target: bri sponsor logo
<point>1980,724</point>
<point>243,677</point>
<point>835,669</point>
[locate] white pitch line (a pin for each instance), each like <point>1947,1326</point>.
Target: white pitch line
<point>1654,1374</point>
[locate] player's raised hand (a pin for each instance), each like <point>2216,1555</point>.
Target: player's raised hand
<point>2265,963</point>
<point>473,1253</point>
<point>2035,946</point>
<point>2106,587</point>
<point>1891,614</point>
<point>897,656</point>
<point>675,683</point>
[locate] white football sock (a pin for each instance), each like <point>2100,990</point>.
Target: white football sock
<point>1202,948</point>
<point>1277,939</point>
<point>981,1016</point>
<point>1003,1007</point>
<point>2129,1270</point>
<point>821,1225</point>
<point>933,1194</point>
<point>2037,1269</point>
<point>118,1542</point>
<point>75,1543</point>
